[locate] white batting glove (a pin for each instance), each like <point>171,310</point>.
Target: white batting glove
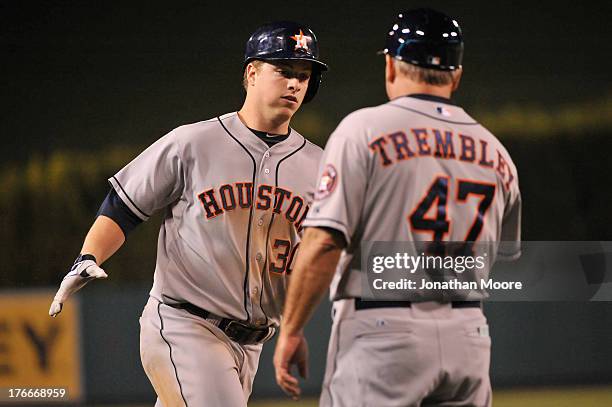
<point>83,271</point>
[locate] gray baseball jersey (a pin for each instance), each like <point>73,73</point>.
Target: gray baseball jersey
<point>414,169</point>
<point>234,207</point>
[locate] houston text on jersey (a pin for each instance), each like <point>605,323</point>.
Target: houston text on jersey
<point>240,194</point>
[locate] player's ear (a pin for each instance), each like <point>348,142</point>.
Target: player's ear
<point>457,78</point>
<point>389,69</point>
<point>251,71</point>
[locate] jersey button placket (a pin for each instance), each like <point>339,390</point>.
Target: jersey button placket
<point>261,231</point>
<point>266,156</point>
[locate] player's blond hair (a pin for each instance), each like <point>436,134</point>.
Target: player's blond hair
<point>257,65</point>
<point>426,75</point>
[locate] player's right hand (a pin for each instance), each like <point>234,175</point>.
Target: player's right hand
<point>291,350</point>
<point>83,271</point>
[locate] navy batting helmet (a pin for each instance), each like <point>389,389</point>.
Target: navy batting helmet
<point>287,40</point>
<point>426,38</point>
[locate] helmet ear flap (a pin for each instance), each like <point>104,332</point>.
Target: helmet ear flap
<point>313,85</point>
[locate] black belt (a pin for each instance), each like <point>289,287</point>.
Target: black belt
<point>237,331</point>
<point>365,304</point>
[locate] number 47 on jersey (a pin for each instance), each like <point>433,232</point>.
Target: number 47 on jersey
<point>437,197</point>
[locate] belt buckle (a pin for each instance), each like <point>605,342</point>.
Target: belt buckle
<point>245,334</point>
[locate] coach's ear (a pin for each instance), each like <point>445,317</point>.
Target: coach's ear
<point>389,69</point>
<point>456,79</point>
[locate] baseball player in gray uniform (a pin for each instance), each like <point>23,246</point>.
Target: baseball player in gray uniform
<point>415,169</point>
<point>235,191</point>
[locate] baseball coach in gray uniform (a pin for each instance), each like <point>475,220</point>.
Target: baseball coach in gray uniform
<point>415,169</point>
<point>235,191</point>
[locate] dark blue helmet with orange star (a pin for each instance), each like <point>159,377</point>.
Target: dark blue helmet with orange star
<point>287,40</point>
<point>427,38</point>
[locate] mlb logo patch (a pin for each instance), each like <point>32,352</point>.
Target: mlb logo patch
<point>444,112</point>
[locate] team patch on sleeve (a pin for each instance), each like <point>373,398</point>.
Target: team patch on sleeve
<point>327,183</point>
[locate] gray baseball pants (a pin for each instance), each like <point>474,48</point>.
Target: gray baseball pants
<point>192,363</point>
<point>429,354</point>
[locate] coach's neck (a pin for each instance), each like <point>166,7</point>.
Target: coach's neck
<point>398,85</point>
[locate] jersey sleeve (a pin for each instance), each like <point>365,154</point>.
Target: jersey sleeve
<point>510,238</point>
<point>113,207</point>
<point>152,180</point>
<point>342,181</point>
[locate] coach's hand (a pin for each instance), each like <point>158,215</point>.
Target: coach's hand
<point>83,271</point>
<point>290,350</point>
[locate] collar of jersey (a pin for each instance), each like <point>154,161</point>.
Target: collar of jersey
<point>431,98</point>
<point>237,129</point>
<point>270,138</point>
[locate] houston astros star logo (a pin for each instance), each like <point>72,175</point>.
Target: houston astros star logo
<point>327,183</point>
<point>301,41</point>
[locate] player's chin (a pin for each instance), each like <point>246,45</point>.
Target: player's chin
<point>288,108</point>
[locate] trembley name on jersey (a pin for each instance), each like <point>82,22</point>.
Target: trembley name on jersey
<point>240,195</point>
<point>440,144</point>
